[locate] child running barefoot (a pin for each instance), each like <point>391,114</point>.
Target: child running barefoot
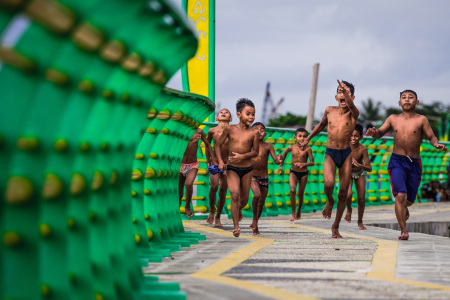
<point>341,121</point>
<point>217,176</point>
<point>360,165</point>
<point>189,168</point>
<point>299,170</point>
<point>260,177</point>
<point>243,145</point>
<point>405,167</point>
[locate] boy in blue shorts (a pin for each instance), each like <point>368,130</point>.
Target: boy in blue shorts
<point>405,168</point>
<point>217,177</point>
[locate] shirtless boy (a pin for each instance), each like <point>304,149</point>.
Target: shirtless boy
<point>405,168</point>
<point>341,121</point>
<point>360,165</point>
<point>223,118</point>
<point>189,168</point>
<point>243,145</point>
<point>299,169</point>
<point>260,176</point>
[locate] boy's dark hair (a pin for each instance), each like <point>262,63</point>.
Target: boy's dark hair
<point>349,85</point>
<point>359,128</point>
<point>410,91</point>
<point>258,124</point>
<point>243,102</point>
<point>301,129</point>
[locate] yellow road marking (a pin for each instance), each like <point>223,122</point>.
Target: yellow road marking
<point>384,259</point>
<point>214,271</point>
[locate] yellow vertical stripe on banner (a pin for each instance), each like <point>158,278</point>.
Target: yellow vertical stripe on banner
<point>197,67</point>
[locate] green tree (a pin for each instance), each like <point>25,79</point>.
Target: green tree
<point>287,120</point>
<point>370,111</point>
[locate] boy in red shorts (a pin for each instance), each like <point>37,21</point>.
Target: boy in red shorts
<point>189,168</point>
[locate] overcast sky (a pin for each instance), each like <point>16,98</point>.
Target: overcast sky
<point>382,47</point>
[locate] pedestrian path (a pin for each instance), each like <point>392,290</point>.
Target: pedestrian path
<point>300,260</point>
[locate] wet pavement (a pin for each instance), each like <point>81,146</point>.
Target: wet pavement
<point>300,260</point>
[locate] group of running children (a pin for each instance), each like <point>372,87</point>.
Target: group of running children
<point>239,161</point>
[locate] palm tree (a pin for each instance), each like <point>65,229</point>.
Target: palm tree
<point>370,112</point>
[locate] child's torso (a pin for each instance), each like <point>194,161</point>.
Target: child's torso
<point>340,128</point>
<point>407,135</point>
<point>299,156</point>
<point>224,148</point>
<point>260,163</point>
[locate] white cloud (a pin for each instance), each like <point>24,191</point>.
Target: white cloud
<point>383,47</point>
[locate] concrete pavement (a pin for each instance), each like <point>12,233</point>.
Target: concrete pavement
<point>300,260</point>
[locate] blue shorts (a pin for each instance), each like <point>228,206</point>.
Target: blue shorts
<point>405,173</point>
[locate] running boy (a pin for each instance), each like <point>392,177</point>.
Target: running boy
<point>299,169</point>
<point>223,118</point>
<point>360,165</point>
<point>260,176</point>
<point>189,168</point>
<point>243,145</point>
<point>341,121</point>
<point>405,168</point>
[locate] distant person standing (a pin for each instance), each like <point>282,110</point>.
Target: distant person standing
<point>448,176</point>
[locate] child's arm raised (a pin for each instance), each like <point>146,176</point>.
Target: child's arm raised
<point>209,153</point>
<point>219,144</point>
<point>377,133</point>
<point>282,158</point>
<point>208,148</point>
<point>237,157</point>
<point>316,129</point>
<point>349,99</point>
<point>430,135</point>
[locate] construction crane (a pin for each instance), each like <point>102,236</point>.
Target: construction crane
<point>268,101</point>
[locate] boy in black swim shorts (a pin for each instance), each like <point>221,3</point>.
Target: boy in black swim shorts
<point>243,145</point>
<point>405,168</point>
<point>341,121</point>
<point>260,180</point>
<point>299,170</point>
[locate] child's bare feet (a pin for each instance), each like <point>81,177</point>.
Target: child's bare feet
<point>210,219</point>
<point>252,226</point>
<point>292,219</point>
<point>335,233</point>
<point>217,222</point>
<point>361,226</point>
<point>404,236</point>
<point>237,232</point>
<point>348,215</point>
<point>255,230</point>
<point>326,212</point>
<point>189,212</point>
<point>407,214</point>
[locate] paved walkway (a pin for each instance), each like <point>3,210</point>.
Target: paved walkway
<point>300,260</point>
